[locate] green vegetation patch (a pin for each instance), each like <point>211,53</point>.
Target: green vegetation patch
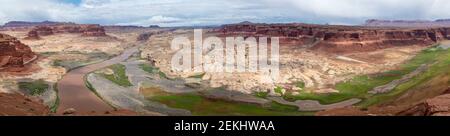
<point>300,85</point>
<point>119,76</point>
<point>47,53</point>
<point>37,87</point>
<point>440,68</point>
<point>359,86</point>
<point>202,106</point>
<point>153,70</point>
<point>200,75</point>
<point>54,107</point>
<point>279,90</point>
<point>262,94</point>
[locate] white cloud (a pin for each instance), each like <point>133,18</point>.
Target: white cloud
<point>207,12</point>
<point>155,20</point>
<point>163,19</point>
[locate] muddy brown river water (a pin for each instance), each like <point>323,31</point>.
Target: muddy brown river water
<point>73,92</point>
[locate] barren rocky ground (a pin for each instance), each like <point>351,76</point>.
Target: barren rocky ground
<point>317,70</point>
<point>20,105</point>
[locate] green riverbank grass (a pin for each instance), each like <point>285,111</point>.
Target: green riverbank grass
<point>199,105</point>
<point>37,87</point>
<point>359,86</point>
<point>119,76</point>
<point>202,106</point>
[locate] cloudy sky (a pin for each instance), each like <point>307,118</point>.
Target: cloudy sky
<point>215,12</point>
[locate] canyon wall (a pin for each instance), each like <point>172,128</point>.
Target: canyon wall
<point>13,53</point>
<point>338,39</point>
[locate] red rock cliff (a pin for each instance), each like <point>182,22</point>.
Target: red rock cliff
<point>13,53</point>
<point>339,39</point>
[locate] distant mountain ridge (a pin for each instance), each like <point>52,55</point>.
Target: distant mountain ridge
<point>32,24</point>
<point>27,24</point>
<point>408,23</point>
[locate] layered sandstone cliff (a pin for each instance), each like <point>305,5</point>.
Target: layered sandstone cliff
<point>13,53</point>
<point>339,39</point>
<point>84,30</point>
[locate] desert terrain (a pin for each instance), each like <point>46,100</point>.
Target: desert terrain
<point>88,69</point>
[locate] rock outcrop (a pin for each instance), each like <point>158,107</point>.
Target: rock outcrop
<point>39,31</point>
<point>338,39</point>
<point>92,30</point>
<point>13,53</point>
<point>144,37</point>
<point>89,30</point>
<point>438,106</point>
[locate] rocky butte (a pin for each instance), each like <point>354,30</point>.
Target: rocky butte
<point>338,39</point>
<point>14,54</point>
<point>90,30</point>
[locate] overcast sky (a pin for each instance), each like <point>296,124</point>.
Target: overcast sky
<point>216,12</point>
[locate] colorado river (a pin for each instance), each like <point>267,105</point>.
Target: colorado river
<point>73,92</point>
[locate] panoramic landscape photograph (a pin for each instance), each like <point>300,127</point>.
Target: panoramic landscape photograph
<point>225,58</point>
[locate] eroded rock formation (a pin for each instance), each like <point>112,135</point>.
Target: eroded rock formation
<point>408,23</point>
<point>438,106</point>
<point>13,53</point>
<point>39,31</point>
<point>30,24</point>
<point>338,39</point>
<point>84,30</point>
<point>92,30</point>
